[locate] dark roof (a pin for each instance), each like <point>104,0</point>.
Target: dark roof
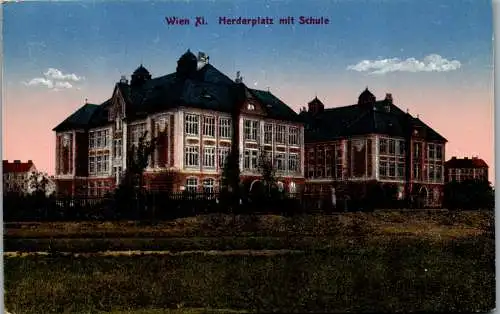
<point>79,119</point>
<point>275,108</point>
<point>206,88</point>
<point>141,70</point>
<point>16,166</point>
<point>315,101</point>
<point>381,117</point>
<point>466,163</point>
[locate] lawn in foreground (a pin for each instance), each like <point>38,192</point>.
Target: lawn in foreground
<point>400,274</point>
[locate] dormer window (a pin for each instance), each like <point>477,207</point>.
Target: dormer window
<point>251,107</point>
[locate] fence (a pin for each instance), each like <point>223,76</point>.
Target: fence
<point>174,205</point>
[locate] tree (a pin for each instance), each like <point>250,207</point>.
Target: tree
<point>232,165</point>
<point>267,171</point>
<point>38,183</point>
<point>131,186</point>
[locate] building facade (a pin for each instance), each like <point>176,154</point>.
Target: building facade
<point>462,169</point>
<point>190,113</point>
<point>16,175</point>
<point>373,141</point>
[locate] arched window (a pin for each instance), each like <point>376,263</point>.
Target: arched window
<point>192,184</point>
<point>209,186</point>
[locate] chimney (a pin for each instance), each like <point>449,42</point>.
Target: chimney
<point>30,161</point>
<point>388,97</point>
<point>17,161</point>
<point>453,158</point>
<point>239,78</point>
<point>123,80</point>
<point>466,158</point>
<point>202,60</point>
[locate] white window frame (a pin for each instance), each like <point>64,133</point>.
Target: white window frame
<point>222,154</point>
<point>250,159</point>
<point>191,184</point>
<point>293,162</point>
<point>280,134</point>
<point>293,136</point>
<point>225,127</point>
<point>192,125</point>
<point>208,126</point>
<point>251,130</point>
<point>268,133</point>
<point>192,156</point>
<point>280,158</point>
<point>209,153</point>
<point>208,185</point>
<point>92,165</point>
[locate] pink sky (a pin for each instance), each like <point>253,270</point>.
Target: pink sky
<point>464,118</point>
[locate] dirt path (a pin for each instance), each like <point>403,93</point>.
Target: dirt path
<point>140,253</point>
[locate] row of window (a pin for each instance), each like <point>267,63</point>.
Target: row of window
<point>250,158</point>
<point>207,184</point>
<point>192,126</point>
<point>99,164</point>
<point>251,161</point>
<point>251,131</point>
<point>98,188</point>
<point>192,156</point>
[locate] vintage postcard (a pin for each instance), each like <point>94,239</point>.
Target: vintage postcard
<point>248,156</point>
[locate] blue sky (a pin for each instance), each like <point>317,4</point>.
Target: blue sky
<point>113,37</point>
<point>435,57</point>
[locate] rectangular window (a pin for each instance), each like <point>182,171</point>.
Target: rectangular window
<point>222,155</point>
<point>293,162</point>
<point>439,152</point>
<point>293,136</point>
<point>209,126</point>
<point>383,146</point>
<point>280,134</point>
<point>384,168</point>
<point>191,125</point>
<point>268,133</point>
<point>191,156</point>
<point>137,131</point>
<point>98,142</point>
<point>431,172</point>
<point>92,139</point>
<point>401,148</point>
<point>105,165</point>
<point>417,150</point>
<point>209,157</point>
<point>431,151</point>
<point>98,164</point>
<point>417,172</point>
<point>392,147</point>
<point>225,128</point>
<point>439,173</point>
<point>400,171</point>
<point>250,159</point>
<point>280,162</point>
<point>91,164</point>
<point>251,129</point>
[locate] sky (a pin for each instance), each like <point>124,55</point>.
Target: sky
<point>434,57</point>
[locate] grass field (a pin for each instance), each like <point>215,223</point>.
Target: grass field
<point>375,262</point>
